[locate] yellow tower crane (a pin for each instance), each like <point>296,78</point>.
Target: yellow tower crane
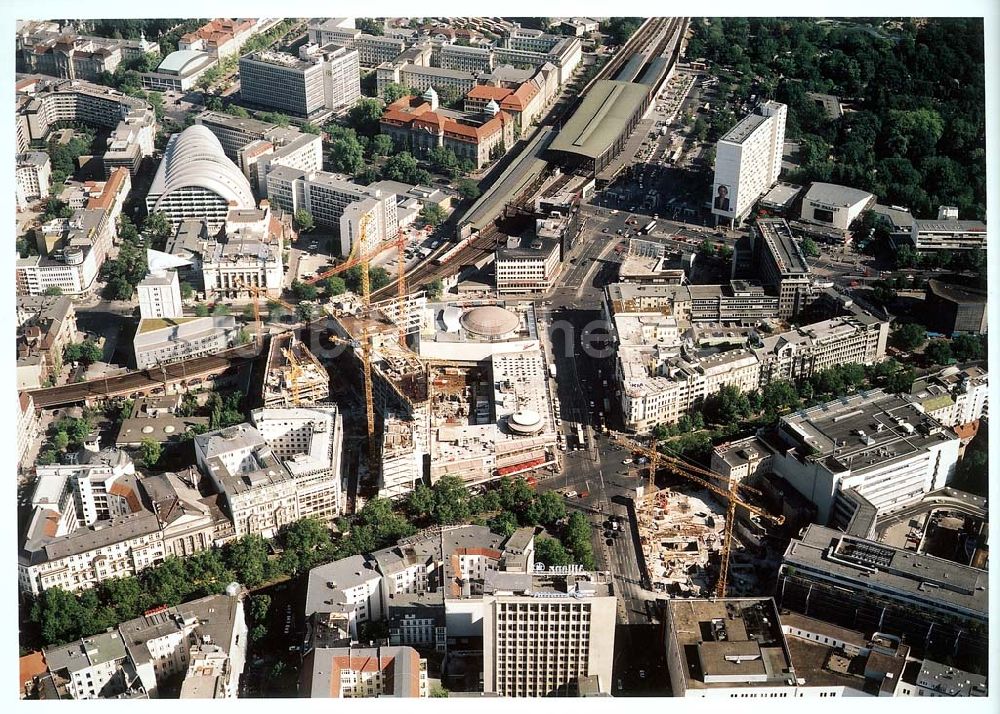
<point>694,473</point>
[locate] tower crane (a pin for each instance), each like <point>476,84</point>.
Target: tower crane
<point>729,490</point>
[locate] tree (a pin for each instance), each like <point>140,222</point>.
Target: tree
<point>550,507</point>
<point>939,352</point>
<point>310,128</point>
<point>158,225</point>
<point>392,91</point>
<point>901,381</point>
<point>380,145</point>
<point>90,352</point>
<point>368,25</point>
<point>365,115</point>
<point>304,291</point>
<point>221,308</point>
<point>420,503</point>
<point>706,249</point>
<point>400,167</point>
<point>149,453</point>
<point>434,289</point>
<point>53,290</point>
<point>968,347</point>
<point>727,406</point>
<point>810,248</point>
<point>347,154</point>
<point>451,501</point>
<point>438,691</point>
<point>187,292</point>
<point>432,214</point>
<point>334,285</point>
<point>468,189</point>
<point>551,552</point>
<point>303,221</point>
<point>505,523</point>
<point>247,557</point>
<point>201,310</point>
<point>909,337</point>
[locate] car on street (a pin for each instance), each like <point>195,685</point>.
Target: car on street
<point>571,494</point>
<point>626,462</point>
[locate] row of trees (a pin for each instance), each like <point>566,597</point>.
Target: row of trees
<point>127,270</point>
<point>57,616</point>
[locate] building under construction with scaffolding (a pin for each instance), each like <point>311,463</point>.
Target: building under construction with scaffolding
<point>294,375</point>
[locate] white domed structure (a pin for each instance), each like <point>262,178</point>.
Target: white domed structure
<point>526,421</point>
<point>490,322</point>
<point>195,180</point>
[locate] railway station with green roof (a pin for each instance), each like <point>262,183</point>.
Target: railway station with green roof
<point>601,125</point>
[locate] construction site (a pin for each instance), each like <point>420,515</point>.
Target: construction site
<point>294,375</point>
<point>681,536</point>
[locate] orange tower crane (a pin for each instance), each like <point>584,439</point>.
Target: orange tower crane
<point>694,473</point>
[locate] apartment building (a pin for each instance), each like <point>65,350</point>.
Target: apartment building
<point>88,668</point>
<point>43,104</point>
<point>748,161</point>
<point>46,324</point>
<point>857,338</point>
<point>187,521</point>
<point>263,492</point>
<point>27,424</point>
<point>162,642</point>
<point>527,266</point>
<point>939,607</point>
<point>32,178</point>
<point>328,197</point>
<point>317,83</point>
<point>535,48</point>
<point>117,548</point>
<point>309,440</point>
<point>881,446</point>
<point>363,672</point>
<point>543,632</point>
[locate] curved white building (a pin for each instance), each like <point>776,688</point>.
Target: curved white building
<point>195,180</point>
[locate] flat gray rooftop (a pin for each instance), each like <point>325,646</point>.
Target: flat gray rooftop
<point>601,118</point>
<point>782,246</point>
<point>868,564</point>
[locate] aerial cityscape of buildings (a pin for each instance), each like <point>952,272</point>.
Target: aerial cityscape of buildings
<point>463,356</point>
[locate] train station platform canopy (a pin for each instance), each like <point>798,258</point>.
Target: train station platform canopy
<point>600,119</point>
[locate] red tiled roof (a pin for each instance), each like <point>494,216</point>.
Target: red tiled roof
<point>520,98</point>
<point>484,552</point>
<point>24,399</point>
<point>129,494</point>
<point>487,92</point>
<point>31,666</point>
<point>111,188</point>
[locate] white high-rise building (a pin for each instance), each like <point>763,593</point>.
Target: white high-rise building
<point>748,161</point>
<point>160,295</point>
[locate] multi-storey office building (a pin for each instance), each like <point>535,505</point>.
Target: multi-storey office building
<point>423,77</point>
<point>544,632</point>
<point>373,50</point>
<point>320,81</point>
<point>940,608</point>
<point>466,59</point>
<point>748,161</point>
<point>529,267</point>
<point>948,233</point>
<point>33,172</point>
<point>160,295</point>
<point>858,338</point>
<point>781,265</point>
<point>879,445</point>
<point>328,197</point>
